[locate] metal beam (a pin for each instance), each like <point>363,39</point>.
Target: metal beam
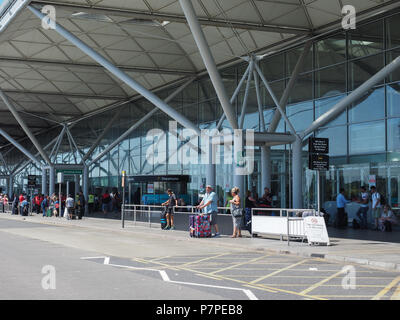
<point>337,109</point>
<point>267,86</point>
<point>241,82</point>
<point>20,147</point>
<point>101,136</point>
<point>246,94</point>
<point>81,66</point>
<point>259,101</point>
<point>137,124</point>
<point>288,90</point>
<point>208,60</point>
<point>25,127</point>
<point>120,74</point>
<point>207,21</point>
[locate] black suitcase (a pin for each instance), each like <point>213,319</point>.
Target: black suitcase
<point>163,218</point>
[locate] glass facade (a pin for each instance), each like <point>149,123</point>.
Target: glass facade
<point>367,133</point>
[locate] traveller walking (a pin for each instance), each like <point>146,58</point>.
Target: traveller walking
<point>81,205</point>
<point>170,204</point>
<point>341,202</point>
<point>376,206</point>
<point>69,205</point>
<point>210,206</point>
<point>237,213</point>
<point>363,211</point>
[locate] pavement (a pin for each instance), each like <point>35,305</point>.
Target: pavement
<point>97,259</point>
<point>377,254</point>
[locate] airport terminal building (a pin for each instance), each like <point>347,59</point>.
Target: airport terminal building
<point>83,98</point>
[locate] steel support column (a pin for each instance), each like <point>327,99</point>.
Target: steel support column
<point>208,60</point>
<point>85,186</point>
<point>238,179</point>
<point>266,167</point>
<point>10,186</point>
<point>121,75</point>
<point>44,181</point>
<point>52,180</point>
<point>297,171</point>
<point>211,168</point>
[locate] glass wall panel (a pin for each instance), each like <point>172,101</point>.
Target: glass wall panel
<point>366,40</point>
<point>367,137</point>
<point>330,81</point>
<point>303,90</point>
<point>390,56</point>
<point>393,99</point>
<point>393,134</point>
<point>337,140</point>
<point>324,105</point>
<point>330,51</point>
<point>362,70</point>
<point>371,107</point>
<point>393,31</point>
<point>293,56</point>
<point>300,115</point>
<point>273,67</point>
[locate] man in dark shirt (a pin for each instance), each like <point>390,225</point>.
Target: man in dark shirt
<point>170,204</point>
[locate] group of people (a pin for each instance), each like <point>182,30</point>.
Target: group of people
<point>110,202</point>
<point>46,205</point>
<point>209,206</point>
<point>382,214</point>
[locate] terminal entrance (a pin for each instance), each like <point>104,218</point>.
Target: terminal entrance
<point>153,189</point>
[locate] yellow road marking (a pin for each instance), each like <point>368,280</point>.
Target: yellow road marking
<point>334,296</point>
<point>204,259</point>
<point>278,271</point>
<point>396,294</point>
<point>316,285</point>
<point>240,264</point>
<point>246,284</point>
<point>386,289</point>
<point>206,276</point>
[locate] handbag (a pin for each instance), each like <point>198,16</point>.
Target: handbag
<point>237,212</point>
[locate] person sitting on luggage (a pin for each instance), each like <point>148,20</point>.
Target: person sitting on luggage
<point>170,204</point>
<point>387,219</point>
<point>210,206</point>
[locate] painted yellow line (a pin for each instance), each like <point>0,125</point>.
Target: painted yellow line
<point>278,271</point>
<point>246,284</point>
<point>206,276</point>
<point>316,285</point>
<point>396,294</point>
<point>386,289</point>
<point>240,264</point>
<point>323,285</point>
<point>204,259</point>
<point>334,296</point>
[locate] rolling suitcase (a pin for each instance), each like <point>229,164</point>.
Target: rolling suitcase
<point>163,218</point>
<point>247,219</point>
<point>200,226</point>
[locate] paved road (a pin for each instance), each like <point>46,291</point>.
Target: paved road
<point>146,270</point>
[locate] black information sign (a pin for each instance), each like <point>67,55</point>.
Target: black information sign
<point>318,162</point>
<point>31,181</point>
<point>318,145</point>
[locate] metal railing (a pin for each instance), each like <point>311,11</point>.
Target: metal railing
<point>140,210</point>
<point>296,216</point>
